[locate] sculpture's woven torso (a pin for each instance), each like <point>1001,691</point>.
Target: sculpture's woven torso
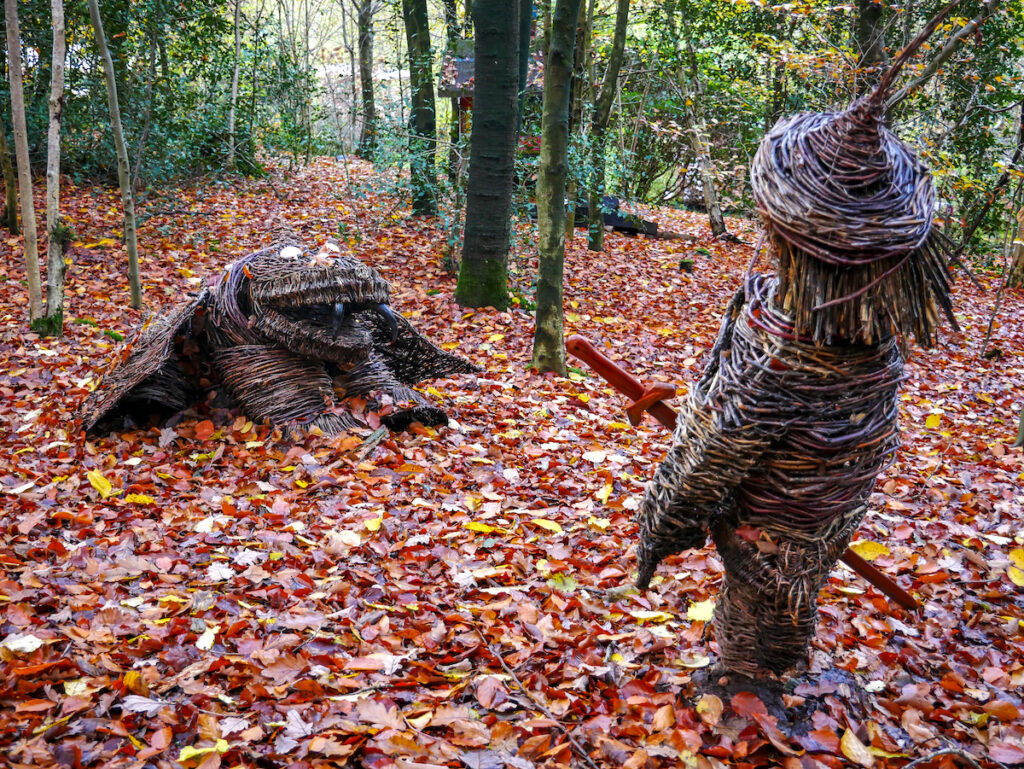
<point>775,454</point>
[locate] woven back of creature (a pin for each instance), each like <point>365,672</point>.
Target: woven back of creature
<point>290,335</point>
<point>778,448</point>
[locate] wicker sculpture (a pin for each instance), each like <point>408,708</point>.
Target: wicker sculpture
<point>778,448</point>
<point>289,334</point>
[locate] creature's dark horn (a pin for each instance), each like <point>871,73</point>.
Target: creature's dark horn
<point>384,312</point>
<point>339,316</point>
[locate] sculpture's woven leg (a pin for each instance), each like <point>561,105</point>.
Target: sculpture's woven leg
<point>767,610</point>
<point>372,376</point>
<point>282,386</point>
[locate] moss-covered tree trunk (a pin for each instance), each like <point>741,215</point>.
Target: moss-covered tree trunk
<point>364,24</point>
<point>28,213</point>
<point>10,182</point>
<point>548,340</point>
<point>599,127</point>
<point>483,273</point>
<point>423,139</point>
<point>123,173</point>
<point>52,323</point>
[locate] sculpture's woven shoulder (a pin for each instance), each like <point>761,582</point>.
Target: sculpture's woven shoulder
<point>151,369</point>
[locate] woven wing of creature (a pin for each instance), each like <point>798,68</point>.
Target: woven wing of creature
<point>777,450</point>
<point>290,335</point>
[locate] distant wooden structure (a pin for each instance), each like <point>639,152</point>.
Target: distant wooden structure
<point>458,74</point>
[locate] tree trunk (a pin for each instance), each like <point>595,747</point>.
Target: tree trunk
<point>364,24</point>
<point>1020,430</point>
<point>10,181</point>
<point>870,42</point>
<point>232,140</point>
<point>525,28</point>
<point>698,140</point>
<point>576,94</point>
<point>423,138</point>
<point>483,273</point>
<point>1015,275</point>
<point>123,177</point>
<point>57,234</point>
<point>147,120</point>
<point>28,214</point>
<point>599,127</point>
<point>548,340</point>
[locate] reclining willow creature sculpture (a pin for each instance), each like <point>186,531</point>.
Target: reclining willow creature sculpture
<point>778,448</point>
<point>289,334</point>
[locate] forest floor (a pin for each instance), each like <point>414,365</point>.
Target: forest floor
<point>206,593</point>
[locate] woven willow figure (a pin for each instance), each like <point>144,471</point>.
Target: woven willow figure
<point>778,448</point>
<point>289,334</point>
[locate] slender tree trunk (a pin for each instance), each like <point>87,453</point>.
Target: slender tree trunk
<point>576,94</point>
<point>147,120</point>
<point>548,340</point>
<point>424,134</point>
<point>697,131</point>
<point>870,42</point>
<point>525,28</point>
<point>28,214</point>
<point>123,177</point>
<point>1015,275</point>
<point>232,141</point>
<point>368,135</point>
<point>483,273</point>
<point>453,31</point>
<point>599,128</point>
<point>10,181</point>
<point>57,234</point>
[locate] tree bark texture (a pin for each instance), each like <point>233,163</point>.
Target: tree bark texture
<point>232,140</point>
<point>423,136</point>
<point>123,173</point>
<point>1015,275</point>
<point>483,272</point>
<point>525,28</point>
<point>28,214</point>
<point>577,95</point>
<point>870,41</point>
<point>364,26</point>
<point>57,237</point>
<point>10,182</point>
<point>599,127</point>
<point>548,340</point>
<point>697,131</point>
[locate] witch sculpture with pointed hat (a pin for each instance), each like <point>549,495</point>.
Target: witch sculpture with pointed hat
<point>779,446</point>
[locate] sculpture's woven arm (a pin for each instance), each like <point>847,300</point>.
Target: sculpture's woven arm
<point>698,476</point>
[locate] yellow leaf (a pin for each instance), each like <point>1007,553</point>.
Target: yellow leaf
<point>563,582</point>
<point>139,499</point>
<point>449,345</point>
<point>101,484</point>
<point>709,708</point>
<point>374,523</point>
<point>933,421</point>
<point>701,611</point>
<point>651,616</point>
<point>604,493</point>
<point>495,337</point>
<point>483,528</point>
<point>189,753</point>
<point>1016,576</point>
<point>601,524</point>
<point>544,523</point>
<point>855,750</point>
<point>205,641</point>
<point>1017,557</point>
<point>584,397</point>
<point>868,550</point>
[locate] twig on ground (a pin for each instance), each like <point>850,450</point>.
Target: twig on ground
<point>579,749</point>
<point>945,752</point>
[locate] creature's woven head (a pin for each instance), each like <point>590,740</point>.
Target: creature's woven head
<point>326,306</point>
<point>849,213</point>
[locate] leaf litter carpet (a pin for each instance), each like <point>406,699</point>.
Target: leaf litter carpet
<point>207,593</point>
